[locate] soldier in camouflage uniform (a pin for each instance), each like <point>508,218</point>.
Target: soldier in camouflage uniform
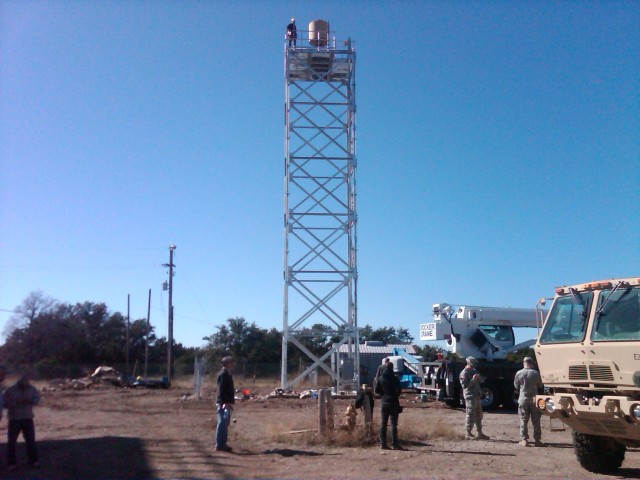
<point>529,383</point>
<point>470,381</point>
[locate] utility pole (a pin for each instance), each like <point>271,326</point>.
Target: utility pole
<point>127,335</point>
<point>146,341</point>
<point>170,315</point>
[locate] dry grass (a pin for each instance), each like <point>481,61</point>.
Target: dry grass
<point>361,437</point>
<point>443,431</point>
<point>410,430</point>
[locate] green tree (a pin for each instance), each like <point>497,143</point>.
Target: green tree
<point>247,343</point>
<point>429,353</point>
<point>519,355</point>
<point>366,333</point>
<point>388,335</point>
<point>32,306</point>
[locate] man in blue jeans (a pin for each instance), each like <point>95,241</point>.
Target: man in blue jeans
<point>224,403</point>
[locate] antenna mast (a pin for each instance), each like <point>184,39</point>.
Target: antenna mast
<point>320,269</point>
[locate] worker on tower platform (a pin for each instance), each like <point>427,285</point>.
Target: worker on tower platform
<point>292,33</point>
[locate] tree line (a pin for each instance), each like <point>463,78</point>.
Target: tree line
<point>49,336</point>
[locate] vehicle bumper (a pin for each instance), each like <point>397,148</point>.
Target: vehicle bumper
<point>610,416</point>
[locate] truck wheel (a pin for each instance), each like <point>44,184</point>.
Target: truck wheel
<point>453,395</point>
<point>489,398</point>
<point>452,402</point>
<point>598,454</point>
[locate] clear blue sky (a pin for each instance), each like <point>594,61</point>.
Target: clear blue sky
<point>498,153</point>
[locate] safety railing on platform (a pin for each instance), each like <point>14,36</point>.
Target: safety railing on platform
<point>317,41</point>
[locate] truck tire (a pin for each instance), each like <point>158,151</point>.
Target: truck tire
<point>598,454</point>
<point>490,397</point>
<point>452,388</point>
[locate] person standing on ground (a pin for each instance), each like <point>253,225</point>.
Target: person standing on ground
<point>224,403</point>
<point>19,400</point>
<point>388,387</point>
<point>470,381</point>
<point>529,383</point>
<point>292,33</point>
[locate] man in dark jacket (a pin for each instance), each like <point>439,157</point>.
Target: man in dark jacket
<point>224,402</point>
<point>292,33</point>
<point>388,387</point>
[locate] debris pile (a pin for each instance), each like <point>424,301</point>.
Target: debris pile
<point>101,376</point>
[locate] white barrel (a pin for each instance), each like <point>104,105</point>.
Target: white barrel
<point>319,33</point>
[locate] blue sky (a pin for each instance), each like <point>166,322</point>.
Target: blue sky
<point>498,153</point>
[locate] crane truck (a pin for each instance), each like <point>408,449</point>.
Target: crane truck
<point>589,358</point>
<point>485,333</point>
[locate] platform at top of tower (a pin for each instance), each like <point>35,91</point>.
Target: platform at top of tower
<point>325,64</point>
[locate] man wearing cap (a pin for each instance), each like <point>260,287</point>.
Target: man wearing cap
<point>292,33</point>
<point>529,383</point>
<point>470,381</point>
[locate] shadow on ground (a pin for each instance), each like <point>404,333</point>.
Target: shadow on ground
<point>90,458</point>
<point>286,452</point>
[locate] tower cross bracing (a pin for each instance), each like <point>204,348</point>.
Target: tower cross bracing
<point>320,252</point>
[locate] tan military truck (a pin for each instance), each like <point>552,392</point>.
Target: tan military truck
<point>589,358</point>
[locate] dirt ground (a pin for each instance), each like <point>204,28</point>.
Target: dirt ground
<point>109,433</point>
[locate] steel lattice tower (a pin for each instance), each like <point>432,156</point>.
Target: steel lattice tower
<point>320,268</point>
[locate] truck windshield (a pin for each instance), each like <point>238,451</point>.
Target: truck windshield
<point>567,319</point>
<point>499,333</point>
<point>619,315</point>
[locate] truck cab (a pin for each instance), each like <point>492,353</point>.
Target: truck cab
<point>589,358</point>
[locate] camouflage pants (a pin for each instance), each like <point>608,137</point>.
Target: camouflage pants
<point>474,413</point>
<point>527,409</point>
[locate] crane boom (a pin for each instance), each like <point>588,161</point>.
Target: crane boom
<point>483,332</point>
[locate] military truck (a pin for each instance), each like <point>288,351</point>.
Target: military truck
<point>589,358</point>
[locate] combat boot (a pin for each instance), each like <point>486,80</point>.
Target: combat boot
<point>469,435</point>
<point>482,436</point>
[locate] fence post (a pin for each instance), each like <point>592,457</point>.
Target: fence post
<point>322,413</point>
<point>368,411</point>
<point>329,410</point>
<point>198,375</point>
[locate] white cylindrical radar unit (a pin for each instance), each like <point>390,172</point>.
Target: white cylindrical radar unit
<point>319,33</point>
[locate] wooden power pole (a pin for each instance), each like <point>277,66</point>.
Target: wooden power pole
<point>170,315</point>
<point>146,340</point>
<point>127,337</point>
